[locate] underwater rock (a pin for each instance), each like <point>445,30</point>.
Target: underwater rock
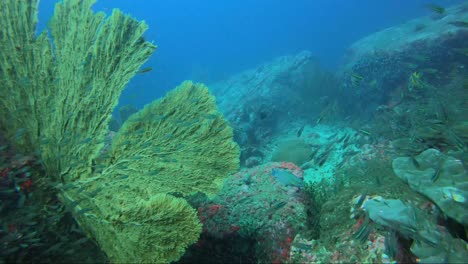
<point>379,68</point>
<point>439,177</point>
<point>261,101</point>
<point>432,243</point>
<point>254,205</point>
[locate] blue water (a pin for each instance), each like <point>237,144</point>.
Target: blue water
<point>211,40</point>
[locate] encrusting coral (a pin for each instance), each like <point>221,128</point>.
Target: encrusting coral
<point>57,94</point>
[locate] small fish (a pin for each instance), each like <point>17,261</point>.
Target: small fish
<point>20,132</point>
<point>412,65</point>
<point>303,246</point>
<point>33,241</point>
<point>132,96</point>
<point>373,83</point>
<point>82,188</point>
<point>73,204</point>
<point>93,193</point>
<point>436,174</point>
<point>154,172</point>
<point>10,250</point>
<point>52,248</point>
<point>365,132</point>
<point>420,58</point>
<point>415,162</point>
<point>8,238</point>
<point>211,116</point>
<point>287,178</point>
<point>454,194</point>
<point>415,81</point>
<point>76,230</point>
<point>361,200</point>
<point>436,9</point>
<point>158,117</point>
<point>340,139</point>
<point>299,132</point>
<point>139,131</point>
<point>86,140</point>
<point>69,252</point>
<point>33,223</point>
<point>430,70</point>
<point>462,51</point>
<point>459,23</point>
<point>122,177</point>
<point>83,211</point>
<point>144,70</point>
<point>312,155</point>
<point>364,231</point>
<point>80,241</point>
<point>21,201</point>
<point>322,159</point>
<point>346,140</point>
<point>277,206</point>
<point>356,80</point>
<point>319,119</point>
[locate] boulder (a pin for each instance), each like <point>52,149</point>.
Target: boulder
<point>260,101</point>
<point>381,67</point>
<point>432,243</point>
<point>256,205</point>
<point>439,177</point>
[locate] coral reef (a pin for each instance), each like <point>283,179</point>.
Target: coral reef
<point>36,226</point>
<point>313,186</point>
<point>57,96</point>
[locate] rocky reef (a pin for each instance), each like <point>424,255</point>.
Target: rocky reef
<point>380,67</point>
<point>385,133</point>
<point>262,101</point>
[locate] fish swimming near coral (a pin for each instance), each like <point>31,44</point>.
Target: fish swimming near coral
<point>436,9</point>
<point>459,23</point>
<point>356,79</point>
<point>415,81</point>
<point>287,178</point>
<point>454,194</point>
<point>299,132</point>
<point>144,70</point>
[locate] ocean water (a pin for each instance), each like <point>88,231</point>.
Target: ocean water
<point>308,132</point>
<point>232,36</point>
